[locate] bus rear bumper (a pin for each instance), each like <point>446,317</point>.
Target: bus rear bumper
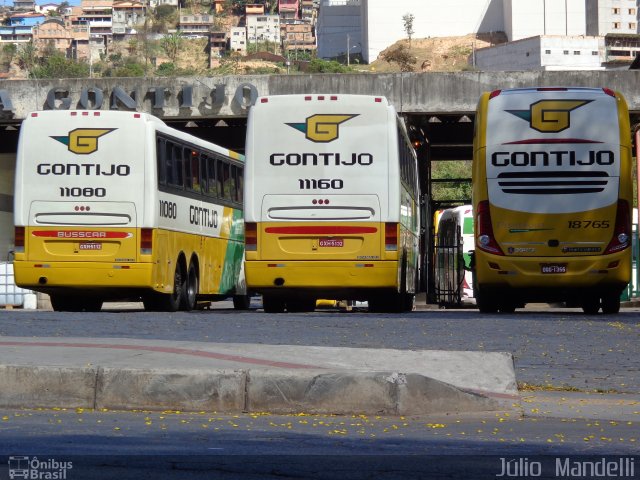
<point>54,276</point>
<point>524,277</point>
<point>325,276</point>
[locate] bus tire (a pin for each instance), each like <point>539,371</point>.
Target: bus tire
<point>486,303</point>
<point>272,304</point>
<point>167,302</point>
<point>300,305</point>
<point>409,302</point>
<point>591,305</point>
<point>71,303</point>
<point>190,293</point>
<point>242,302</point>
<point>611,303</point>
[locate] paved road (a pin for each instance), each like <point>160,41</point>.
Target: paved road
<point>558,348</point>
<point>177,445</point>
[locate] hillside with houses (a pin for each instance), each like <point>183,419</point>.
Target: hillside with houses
<point>131,38</point>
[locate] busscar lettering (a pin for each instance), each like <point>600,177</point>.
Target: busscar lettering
<point>560,158</point>
<point>77,169</point>
<point>323,159</point>
<point>89,234</point>
<point>203,217</point>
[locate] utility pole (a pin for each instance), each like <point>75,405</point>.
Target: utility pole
<point>348,49</point>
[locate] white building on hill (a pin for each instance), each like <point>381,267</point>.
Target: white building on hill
<point>612,16</point>
<point>546,52</point>
<point>529,18</point>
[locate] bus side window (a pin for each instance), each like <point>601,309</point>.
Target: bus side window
<point>194,180</point>
<point>168,163</point>
<point>160,155</point>
<point>204,181</point>
<point>211,177</point>
<point>223,180</point>
<point>178,166</point>
<point>240,184</point>
<point>235,172</point>
<point>188,177</point>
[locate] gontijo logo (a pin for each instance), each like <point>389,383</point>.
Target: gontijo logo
<point>549,116</point>
<point>321,128</point>
<point>83,141</point>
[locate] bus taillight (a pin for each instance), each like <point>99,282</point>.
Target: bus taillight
<point>390,236</point>
<point>250,237</point>
<point>19,239</point>
<point>486,240</point>
<point>622,229</point>
<point>146,241</point>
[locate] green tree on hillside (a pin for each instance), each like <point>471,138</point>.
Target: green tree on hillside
<point>171,45</point>
<point>407,20</point>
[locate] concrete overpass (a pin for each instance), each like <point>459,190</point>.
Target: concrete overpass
<point>438,107</point>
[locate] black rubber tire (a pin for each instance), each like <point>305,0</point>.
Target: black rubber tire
<point>611,303</point>
<point>301,305</point>
<point>190,290</point>
<point>242,302</point>
<point>272,304</point>
<point>75,303</point>
<point>591,305</point>
<point>486,304</point>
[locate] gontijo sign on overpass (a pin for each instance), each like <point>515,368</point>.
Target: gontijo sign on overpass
<point>220,96</point>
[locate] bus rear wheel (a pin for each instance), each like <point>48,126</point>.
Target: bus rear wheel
<point>301,305</point>
<point>167,302</point>
<point>591,305</point>
<point>72,303</point>
<point>241,302</point>
<point>190,293</point>
<point>611,303</point>
<point>272,304</point>
<point>486,303</point>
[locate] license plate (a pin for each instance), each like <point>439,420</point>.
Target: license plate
<point>554,268</point>
<point>331,242</point>
<point>90,246</point>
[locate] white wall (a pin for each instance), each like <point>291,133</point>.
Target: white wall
<point>543,53</point>
<point>529,18</point>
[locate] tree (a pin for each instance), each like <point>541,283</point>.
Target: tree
<point>171,45</point>
<point>27,56</point>
<point>407,20</point>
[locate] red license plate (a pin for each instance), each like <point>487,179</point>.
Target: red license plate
<point>553,268</point>
<point>332,242</point>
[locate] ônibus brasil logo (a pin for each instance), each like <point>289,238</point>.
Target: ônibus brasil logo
<point>549,116</point>
<point>321,128</point>
<point>83,141</point>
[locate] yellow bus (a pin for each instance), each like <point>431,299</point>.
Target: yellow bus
<point>552,198</point>
<point>119,206</point>
<point>331,203</point>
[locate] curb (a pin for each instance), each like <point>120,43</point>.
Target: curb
<point>235,391</point>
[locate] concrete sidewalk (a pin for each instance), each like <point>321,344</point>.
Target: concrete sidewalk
<point>117,373</point>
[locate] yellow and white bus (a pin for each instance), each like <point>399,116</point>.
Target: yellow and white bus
<point>331,202</point>
<point>552,198</point>
<point>118,205</point>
